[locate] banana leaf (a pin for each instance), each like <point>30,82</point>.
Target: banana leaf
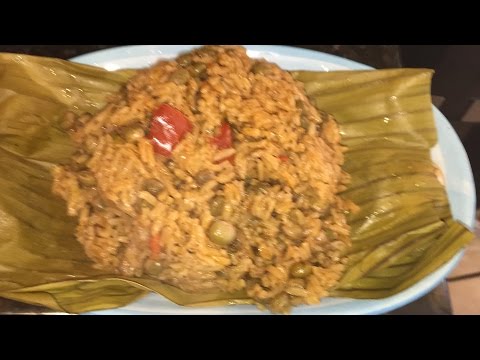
<point>404,229</point>
<point>386,121</point>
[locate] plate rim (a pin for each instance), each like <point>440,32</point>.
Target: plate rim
<point>395,301</point>
<point>279,49</point>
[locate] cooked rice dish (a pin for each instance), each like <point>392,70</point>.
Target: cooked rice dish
<point>212,172</point>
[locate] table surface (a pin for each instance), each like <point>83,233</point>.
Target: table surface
<point>379,56</point>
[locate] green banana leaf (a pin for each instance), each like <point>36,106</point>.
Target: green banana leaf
<point>402,232</point>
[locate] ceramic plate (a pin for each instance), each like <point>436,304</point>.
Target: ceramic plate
<point>449,154</point>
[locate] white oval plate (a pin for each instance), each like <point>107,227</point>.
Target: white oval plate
<point>449,155</point>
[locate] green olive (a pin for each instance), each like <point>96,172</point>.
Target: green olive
<point>217,204</point>
<point>300,270</point>
<point>86,179</point>
<point>152,268</point>
<point>222,233</point>
<point>207,51</point>
<point>199,67</point>
<point>304,122</point>
<point>195,104</point>
<point>261,68</point>
<point>184,60</point>
<point>203,177</point>
<point>153,186</point>
<point>254,185</point>
<point>180,77</point>
<point>199,70</point>
<point>133,133</point>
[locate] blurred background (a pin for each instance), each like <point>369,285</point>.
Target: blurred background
<point>455,91</point>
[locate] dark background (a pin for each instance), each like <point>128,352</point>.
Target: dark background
<point>455,88</point>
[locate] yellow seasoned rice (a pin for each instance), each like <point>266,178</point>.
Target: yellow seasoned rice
<point>279,193</point>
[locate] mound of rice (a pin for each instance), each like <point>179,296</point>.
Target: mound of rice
<point>274,189</point>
